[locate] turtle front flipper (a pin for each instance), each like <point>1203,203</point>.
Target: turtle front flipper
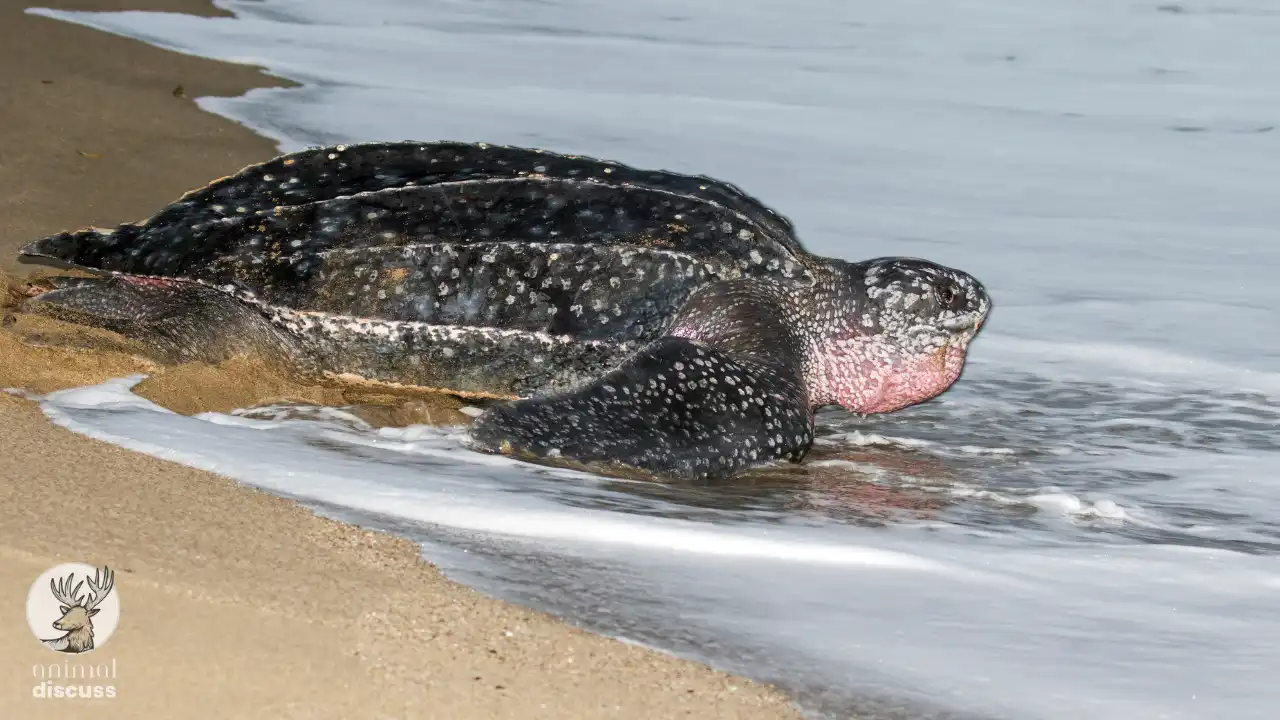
<point>676,408</point>
<point>176,321</point>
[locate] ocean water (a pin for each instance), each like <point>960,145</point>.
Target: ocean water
<point>1088,524</point>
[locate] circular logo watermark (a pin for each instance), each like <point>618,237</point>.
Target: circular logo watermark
<point>74,608</point>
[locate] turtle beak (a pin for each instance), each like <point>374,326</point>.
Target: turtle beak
<point>968,322</point>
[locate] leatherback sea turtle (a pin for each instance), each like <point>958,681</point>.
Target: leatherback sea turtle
<point>644,318</point>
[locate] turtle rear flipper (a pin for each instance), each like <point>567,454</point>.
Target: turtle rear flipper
<point>81,249</point>
<point>675,408</point>
<point>178,321</point>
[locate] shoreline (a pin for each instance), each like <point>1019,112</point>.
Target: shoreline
<point>235,602</point>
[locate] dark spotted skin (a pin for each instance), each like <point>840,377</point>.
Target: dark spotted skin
<point>582,258</point>
<point>649,319</point>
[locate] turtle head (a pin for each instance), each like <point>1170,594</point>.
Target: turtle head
<point>898,336</point>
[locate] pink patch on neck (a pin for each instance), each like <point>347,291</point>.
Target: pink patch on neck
<point>872,378</point>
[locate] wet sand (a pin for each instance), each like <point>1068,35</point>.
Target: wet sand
<point>234,603</point>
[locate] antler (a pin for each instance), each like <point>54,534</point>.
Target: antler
<point>62,591</point>
<point>99,587</point>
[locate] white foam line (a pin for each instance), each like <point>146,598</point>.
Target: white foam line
<point>649,535</point>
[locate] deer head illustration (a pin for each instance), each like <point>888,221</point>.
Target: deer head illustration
<point>78,612</point>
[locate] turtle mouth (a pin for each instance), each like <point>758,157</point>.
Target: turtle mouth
<point>960,332</point>
<point>955,344</point>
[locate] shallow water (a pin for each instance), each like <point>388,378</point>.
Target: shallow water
<point>1089,522</point>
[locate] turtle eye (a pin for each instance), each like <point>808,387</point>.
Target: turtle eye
<point>945,294</point>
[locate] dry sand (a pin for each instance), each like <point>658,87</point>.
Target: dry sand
<point>235,604</point>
